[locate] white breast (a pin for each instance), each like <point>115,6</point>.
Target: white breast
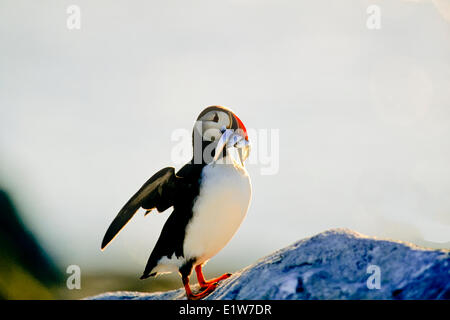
<point>219,210</point>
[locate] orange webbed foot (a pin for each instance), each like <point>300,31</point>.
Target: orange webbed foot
<point>205,284</point>
<point>208,290</point>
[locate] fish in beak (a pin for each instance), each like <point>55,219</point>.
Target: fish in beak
<point>232,139</point>
<point>243,150</point>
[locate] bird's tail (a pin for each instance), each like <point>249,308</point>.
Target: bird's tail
<point>145,276</point>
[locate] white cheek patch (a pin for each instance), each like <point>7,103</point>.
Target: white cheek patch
<point>211,132</point>
<point>211,129</point>
<point>224,120</point>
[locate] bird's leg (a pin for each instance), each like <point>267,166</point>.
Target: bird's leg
<point>191,296</point>
<point>205,283</point>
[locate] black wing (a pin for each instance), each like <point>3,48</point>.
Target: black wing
<point>158,192</point>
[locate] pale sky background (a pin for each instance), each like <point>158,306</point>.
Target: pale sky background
<point>363,117</point>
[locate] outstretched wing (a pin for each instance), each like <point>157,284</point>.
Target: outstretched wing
<point>158,192</point>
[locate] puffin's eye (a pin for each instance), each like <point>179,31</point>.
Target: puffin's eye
<point>216,118</point>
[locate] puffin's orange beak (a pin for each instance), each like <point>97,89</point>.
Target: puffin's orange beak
<point>243,146</point>
<point>241,127</point>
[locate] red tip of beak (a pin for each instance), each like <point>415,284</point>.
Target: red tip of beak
<point>242,127</point>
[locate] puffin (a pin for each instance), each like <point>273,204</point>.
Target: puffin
<point>210,197</point>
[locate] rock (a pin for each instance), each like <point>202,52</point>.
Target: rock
<point>336,264</point>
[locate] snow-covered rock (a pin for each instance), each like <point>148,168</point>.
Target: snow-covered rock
<point>336,264</point>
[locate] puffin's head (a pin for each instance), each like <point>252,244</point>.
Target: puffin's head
<point>210,127</point>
